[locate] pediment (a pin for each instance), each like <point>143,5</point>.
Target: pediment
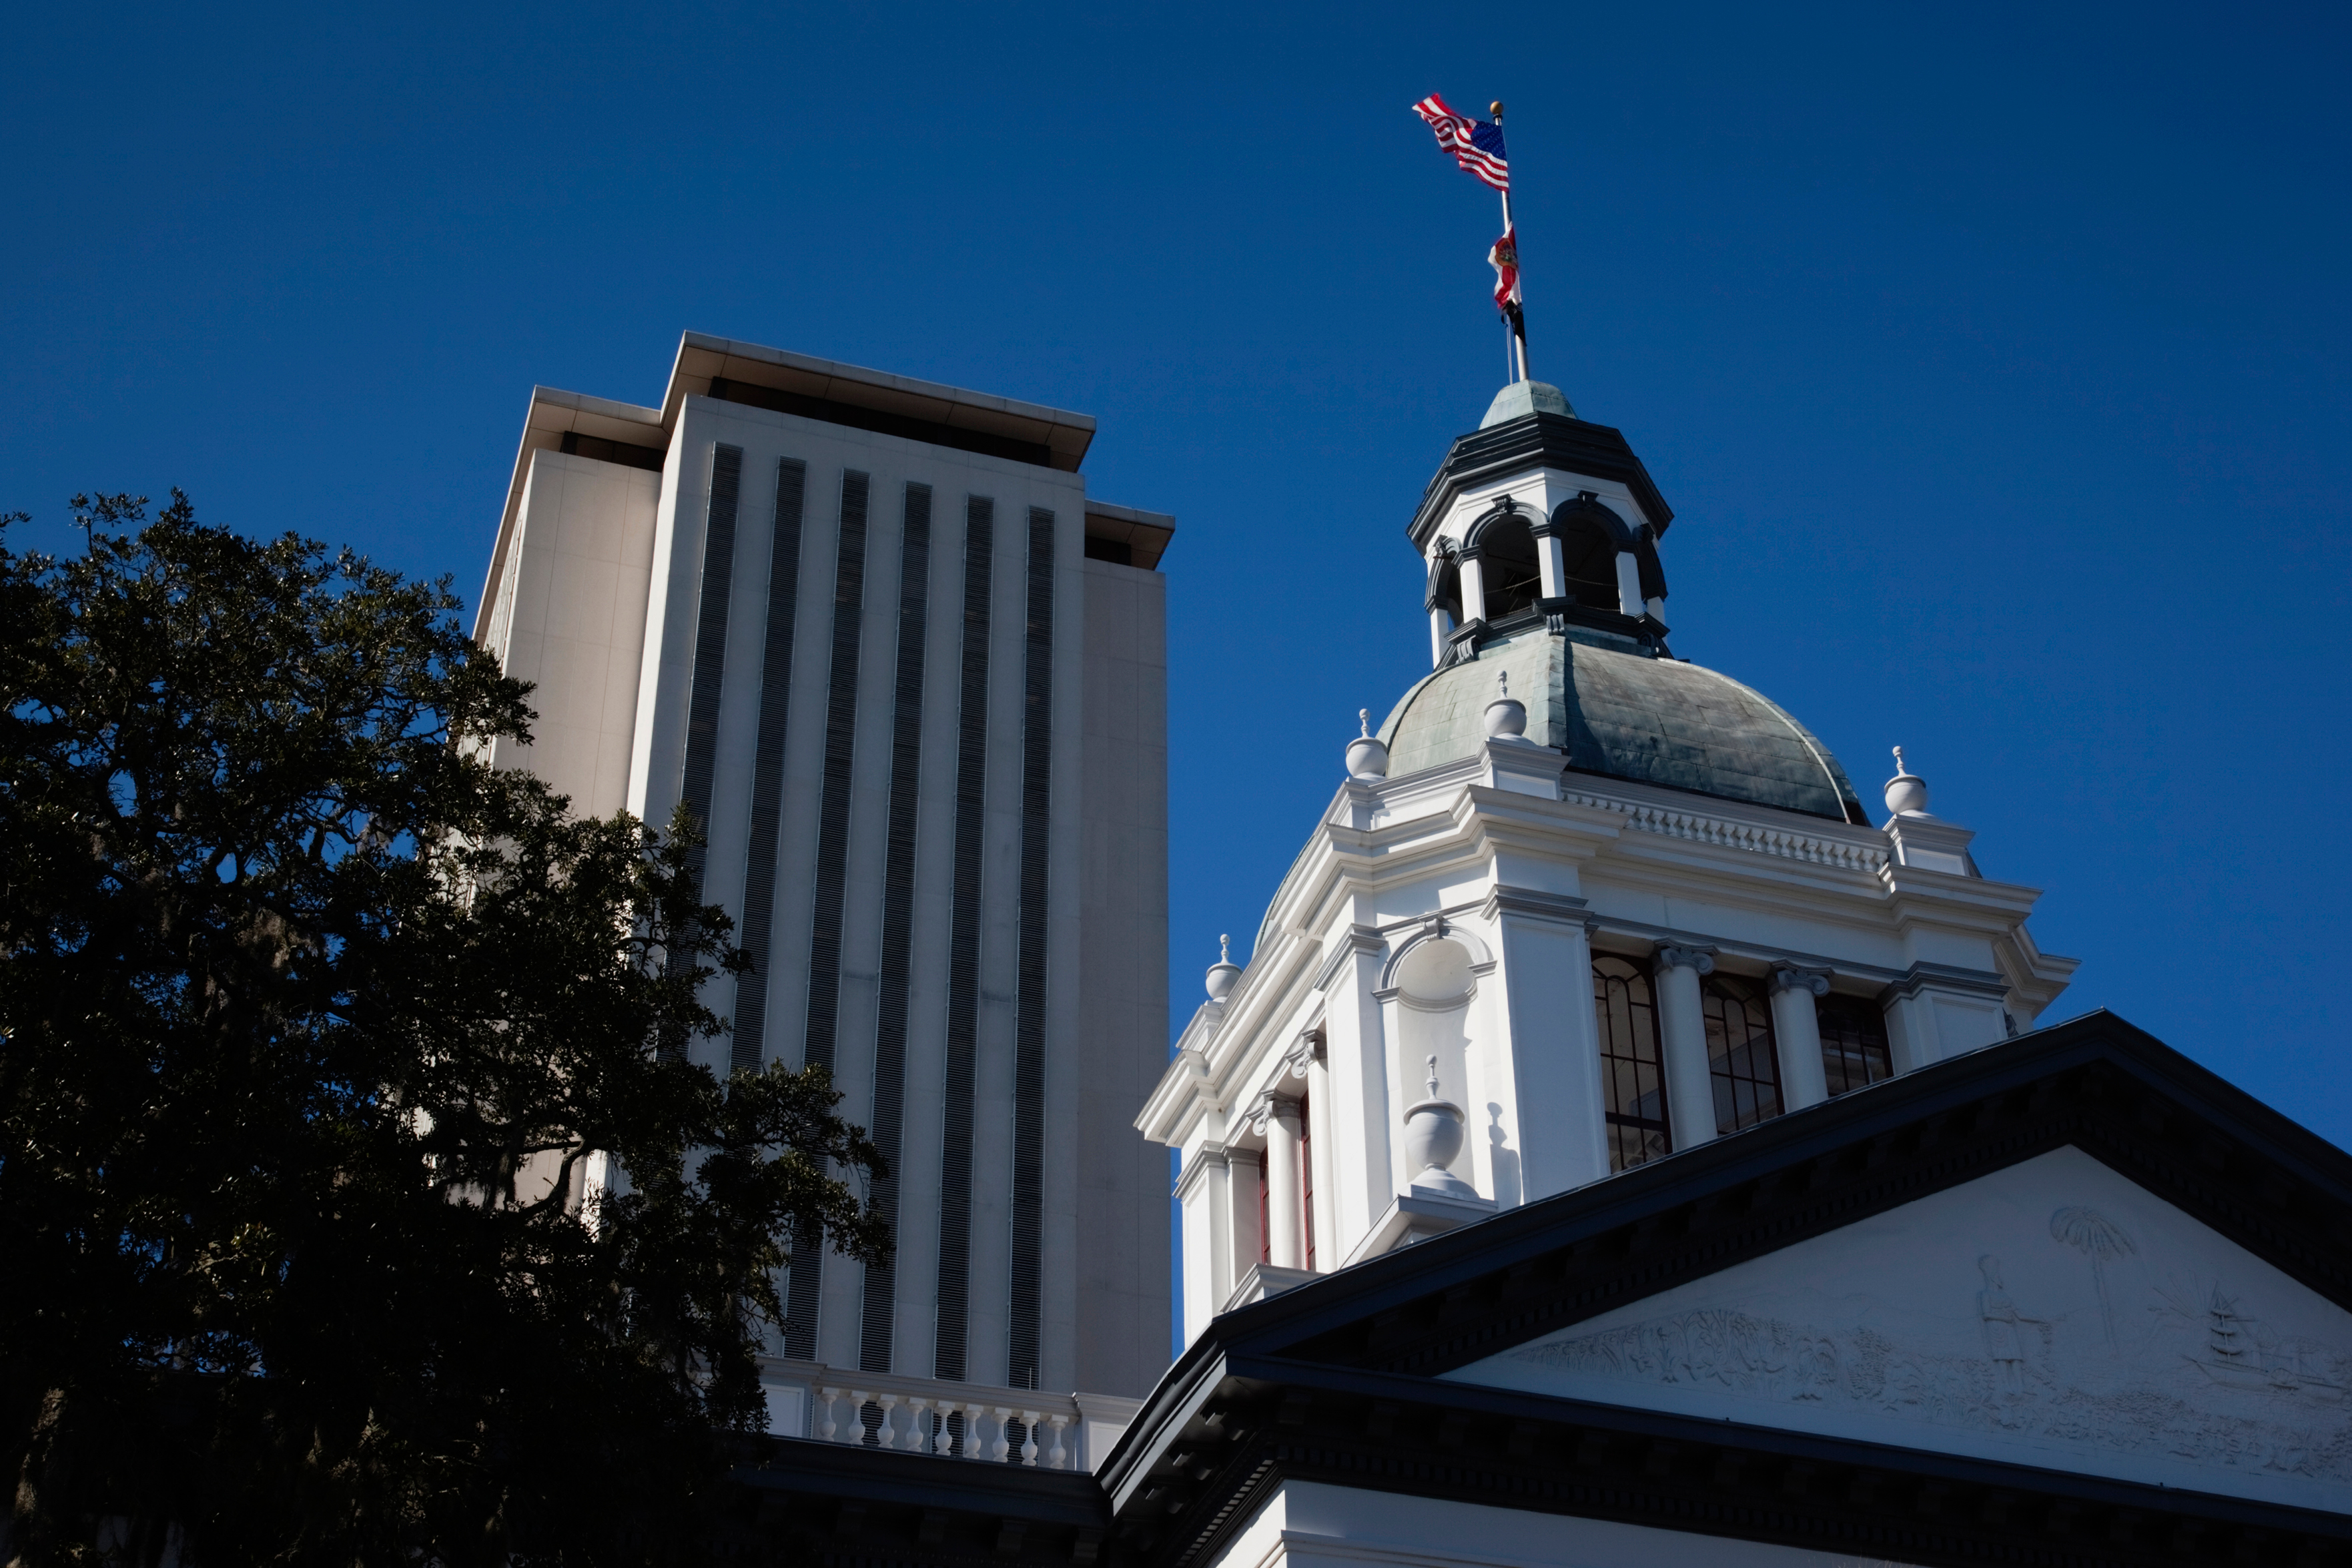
<point>2050,1314</point>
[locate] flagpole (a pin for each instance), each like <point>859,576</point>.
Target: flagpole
<point>1518,319</point>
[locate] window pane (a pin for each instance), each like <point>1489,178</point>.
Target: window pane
<point>1631,1076</point>
<point>1745,1070</point>
<point>1853,1043</point>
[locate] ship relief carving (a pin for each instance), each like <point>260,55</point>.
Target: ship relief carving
<point>2092,1339</point>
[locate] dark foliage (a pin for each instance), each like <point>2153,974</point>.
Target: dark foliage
<point>361,1198</point>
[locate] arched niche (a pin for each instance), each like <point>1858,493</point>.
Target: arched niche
<point>1434,978</point>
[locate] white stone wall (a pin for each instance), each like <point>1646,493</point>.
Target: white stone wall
<point>567,615</point>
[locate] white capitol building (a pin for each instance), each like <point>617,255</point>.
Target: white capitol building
<point>1624,1144</point>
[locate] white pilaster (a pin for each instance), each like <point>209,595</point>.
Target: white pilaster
<point>1682,1031</point>
<point>1550,1121</point>
<point>1355,1048</point>
<point>1286,1245</point>
<point>1441,625</point>
<point>1797,1030</point>
<point>1242,1202</point>
<point>1202,1194</point>
<point>1628,583</point>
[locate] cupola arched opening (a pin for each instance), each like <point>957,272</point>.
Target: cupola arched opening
<point>1508,570</point>
<point>1589,536</point>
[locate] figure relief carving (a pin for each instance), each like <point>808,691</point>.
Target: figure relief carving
<point>2090,1341</point>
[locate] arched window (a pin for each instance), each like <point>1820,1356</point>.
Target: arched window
<point>1853,1043</point>
<point>1507,566</point>
<point>1590,560</point>
<point>1633,1081</point>
<point>1739,1054</point>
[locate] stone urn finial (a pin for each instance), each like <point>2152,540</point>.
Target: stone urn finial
<point>1506,716</point>
<point>1906,791</point>
<point>1432,1137</point>
<point>1368,754</point>
<point>1224,974</point>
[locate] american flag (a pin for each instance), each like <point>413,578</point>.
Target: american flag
<point>1475,144</point>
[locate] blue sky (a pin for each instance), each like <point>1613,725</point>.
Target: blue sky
<point>1993,359</point>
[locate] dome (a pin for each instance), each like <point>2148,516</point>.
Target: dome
<point>1627,716</point>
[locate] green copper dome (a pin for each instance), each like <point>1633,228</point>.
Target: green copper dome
<point>1627,716</point>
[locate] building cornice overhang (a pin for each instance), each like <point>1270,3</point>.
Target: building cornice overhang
<point>1536,441</point>
<point>1254,1423</point>
<point>1349,1366</point>
<point>1059,437</point>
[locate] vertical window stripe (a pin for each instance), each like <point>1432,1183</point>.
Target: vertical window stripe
<point>1029,1009</point>
<point>898,913</point>
<point>711,642</point>
<point>963,942</point>
<point>831,863</point>
<point>768,764</point>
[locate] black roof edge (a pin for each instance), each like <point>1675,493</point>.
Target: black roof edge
<point>1276,1421</point>
<point>1552,441</point>
<point>2308,1164</point>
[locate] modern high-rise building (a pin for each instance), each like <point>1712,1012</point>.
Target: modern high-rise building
<point>874,635</point>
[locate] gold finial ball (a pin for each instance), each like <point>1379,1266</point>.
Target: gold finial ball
<point>1496,109</point>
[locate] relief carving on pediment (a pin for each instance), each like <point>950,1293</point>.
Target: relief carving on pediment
<point>2101,1337</point>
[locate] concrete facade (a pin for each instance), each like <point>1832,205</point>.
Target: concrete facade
<point>722,601</point>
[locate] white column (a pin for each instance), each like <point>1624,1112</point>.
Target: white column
<point>1354,1118</point>
<point>1318,1128</point>
<point>1797,1031</point>
<point>1682,1031</point>
<point>1474,587</point>
<point>1441,625</point>
<point>1549,1055</point>
<point>1285,1247</point>
<point>1628,583</point>
<point>1552,561</point>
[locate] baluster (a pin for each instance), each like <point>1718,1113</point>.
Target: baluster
<point>943,1445</point>
<point>855,1434</point>
<point>1057,1458</point>
<point>918,1427</point>
<point>1003,1446</point>
<point>883,1437</point>
<point>826,1398</point>
<point>1029,1419</point>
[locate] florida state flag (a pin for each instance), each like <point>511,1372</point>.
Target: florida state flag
<point>1504,259</point>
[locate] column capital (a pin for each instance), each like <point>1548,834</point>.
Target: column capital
<point>1304,1054</point>
<point>1674,955</point>
<point>1793,977</point>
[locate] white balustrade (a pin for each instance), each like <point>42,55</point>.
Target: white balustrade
<point>940,1421</point>
<point>1702,828</point>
